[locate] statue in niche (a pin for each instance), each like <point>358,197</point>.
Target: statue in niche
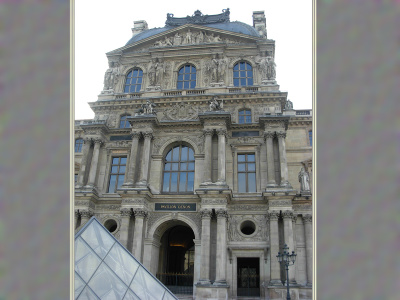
<point>304,179</point>
<point>289,105</point>
<point>200,37</point>
<point>217,68</point>
<point>177,39</point>
<point>215,105</point>
<point>188,37</point>
<point>147,108</point>
<point>262,62</point>
<point>155,71</point>
<point>111,75</point>
<point>271,68</point>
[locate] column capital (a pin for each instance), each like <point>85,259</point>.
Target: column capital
<point>86,213</point>
<point>98,141</point>
<point>140,213</point>
<point>221,213</point>
<point>287,214</point>
<point>269,134</point>
<point>307,218</point>
<point>274,215</point>
<point>205,213</point>
<point>148,135</point>
<point>294,219</point>
<point>208,132</point>
<point>281,134</point>
<point>135,135</point>
<point>221,131</point>
<point>126,212</point>
<point>87,140</point>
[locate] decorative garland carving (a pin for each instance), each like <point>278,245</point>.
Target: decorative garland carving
<point>274,203</point>
<point>108,206</point>
<point>248,207</point>
<point>181,111</point>
<point>214,201</point>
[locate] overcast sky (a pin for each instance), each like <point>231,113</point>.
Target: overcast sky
<point>103,25</point>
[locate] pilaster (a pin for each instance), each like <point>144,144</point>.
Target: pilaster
<point>307,220</point>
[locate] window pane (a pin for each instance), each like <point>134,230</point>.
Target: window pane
<point>126,89</point>
<point>191,167</point>
<point>182,182</point>
<point>250,81</point>
<point>236,67</point>
<point>122,170</point>
<point>248,119</point>
<point>184,153</point>
<point>191,154</point>
<point>235,74</point>
<point>243,81</point>
<point>114,169</point>
<point>242,74</point>
<point>187,77</point>
<point>111,188</point>
<point>123,161</point>
<point>174,182</point>
<point>168,157</point>
<point>241,157</point>
<point>175,166</point>
<point>251,167</point>
<point>180,77</point>
<point>115,160</point>
<point>186,85</point>
<point>179,86</point>
<point>120,180</point>
<point>167,167</point>
<point>190,181</point>
<point>166,182</point>
<point>251,157</point>
<point>175,154</point>
<point>187,69</point>
<point>242,182</point>
<point>251,182</point>
<point>241,119</point>
<point>236,82</point>
<point>241,167</point>
<point>192,84</point>
<point>183,166</point>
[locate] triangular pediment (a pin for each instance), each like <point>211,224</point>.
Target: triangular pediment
<point>187,35</point>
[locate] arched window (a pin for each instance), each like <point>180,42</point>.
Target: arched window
<point>78,145</point>
<point>123,122</point>
<point>186,77</point>
<point>133,81</point>
<point>179,170</point>
<point>242,74</point>
<point>244,116</point>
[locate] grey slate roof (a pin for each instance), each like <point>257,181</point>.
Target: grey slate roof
<point>236,26</point>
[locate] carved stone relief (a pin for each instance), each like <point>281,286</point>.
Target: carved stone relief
<point>181,111</point>
<point>261,231</point>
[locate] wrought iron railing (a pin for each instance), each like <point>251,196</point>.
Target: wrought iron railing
<point>177,283</point>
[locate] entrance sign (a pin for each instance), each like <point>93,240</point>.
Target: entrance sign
<point>175,206</point>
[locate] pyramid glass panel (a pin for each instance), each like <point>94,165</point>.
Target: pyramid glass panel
<point>104,269</point>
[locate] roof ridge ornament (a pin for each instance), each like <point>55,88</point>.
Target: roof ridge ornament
<point>198,18</point>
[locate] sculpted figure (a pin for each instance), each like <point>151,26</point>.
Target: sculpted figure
<point>271,68</point>
<point>188,37</point>
<point>168,41</point>
<point>200,37</point>
<point>155,71</point>
<point>304,180</point>
<point>262,62</point>
<point>110,76</point>
<point>147,108</point>
<point>289,104</point>
<point>215,105</point>
<point>218,68</point>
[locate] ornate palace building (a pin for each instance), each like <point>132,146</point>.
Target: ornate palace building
<point>196,161</point>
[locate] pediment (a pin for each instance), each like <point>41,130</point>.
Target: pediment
<point>187,35</point>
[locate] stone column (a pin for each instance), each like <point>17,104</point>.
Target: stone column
<point>144,171</point>
<point>205,247</point>
<point>85,151</point>
<point>268,136</point>
<point>221,156</point>
<point>85,216</point>
<point>220,278</point>
<point>126,214</point>
<point>307,220</point>
<point>288,233</point>
<point>94,163</point>
<point>129,179</point>
<point>282,157</point>
<point>207,155</point>
<point>138,234</point>
<point>294,219</point>
<point>274,248</point>
<point>76,216</point>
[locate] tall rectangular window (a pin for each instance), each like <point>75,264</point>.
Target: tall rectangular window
<point>117,173</point>
<point>310,137</point>
<point>247,173</point>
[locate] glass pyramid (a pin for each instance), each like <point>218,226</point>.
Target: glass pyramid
<point>104,269</point>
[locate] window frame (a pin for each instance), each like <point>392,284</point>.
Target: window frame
<point>190,80</point>
<point>80,145</point>
<point>136,84</point>
<point>123,118</point>
<point>309,137</point>
<point>246,77</point>
<point>178,171</point>
<point>110,173</point>
<point>244,116</point>
<point>247,172</point>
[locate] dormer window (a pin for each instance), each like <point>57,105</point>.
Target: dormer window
<point>186,77</point>
<point>242,74</point>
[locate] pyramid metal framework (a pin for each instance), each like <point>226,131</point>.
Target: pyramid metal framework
<point>104,269</point>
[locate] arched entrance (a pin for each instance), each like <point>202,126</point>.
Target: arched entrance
<point>177,258</point>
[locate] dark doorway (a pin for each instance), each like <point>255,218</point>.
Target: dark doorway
<point>248,276</point>
<point>178,267</point>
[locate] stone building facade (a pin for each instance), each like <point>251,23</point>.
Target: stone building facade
<point>197,162</point>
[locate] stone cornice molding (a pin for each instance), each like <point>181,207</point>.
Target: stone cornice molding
<point>307,218</point>
<point>126,212</point>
